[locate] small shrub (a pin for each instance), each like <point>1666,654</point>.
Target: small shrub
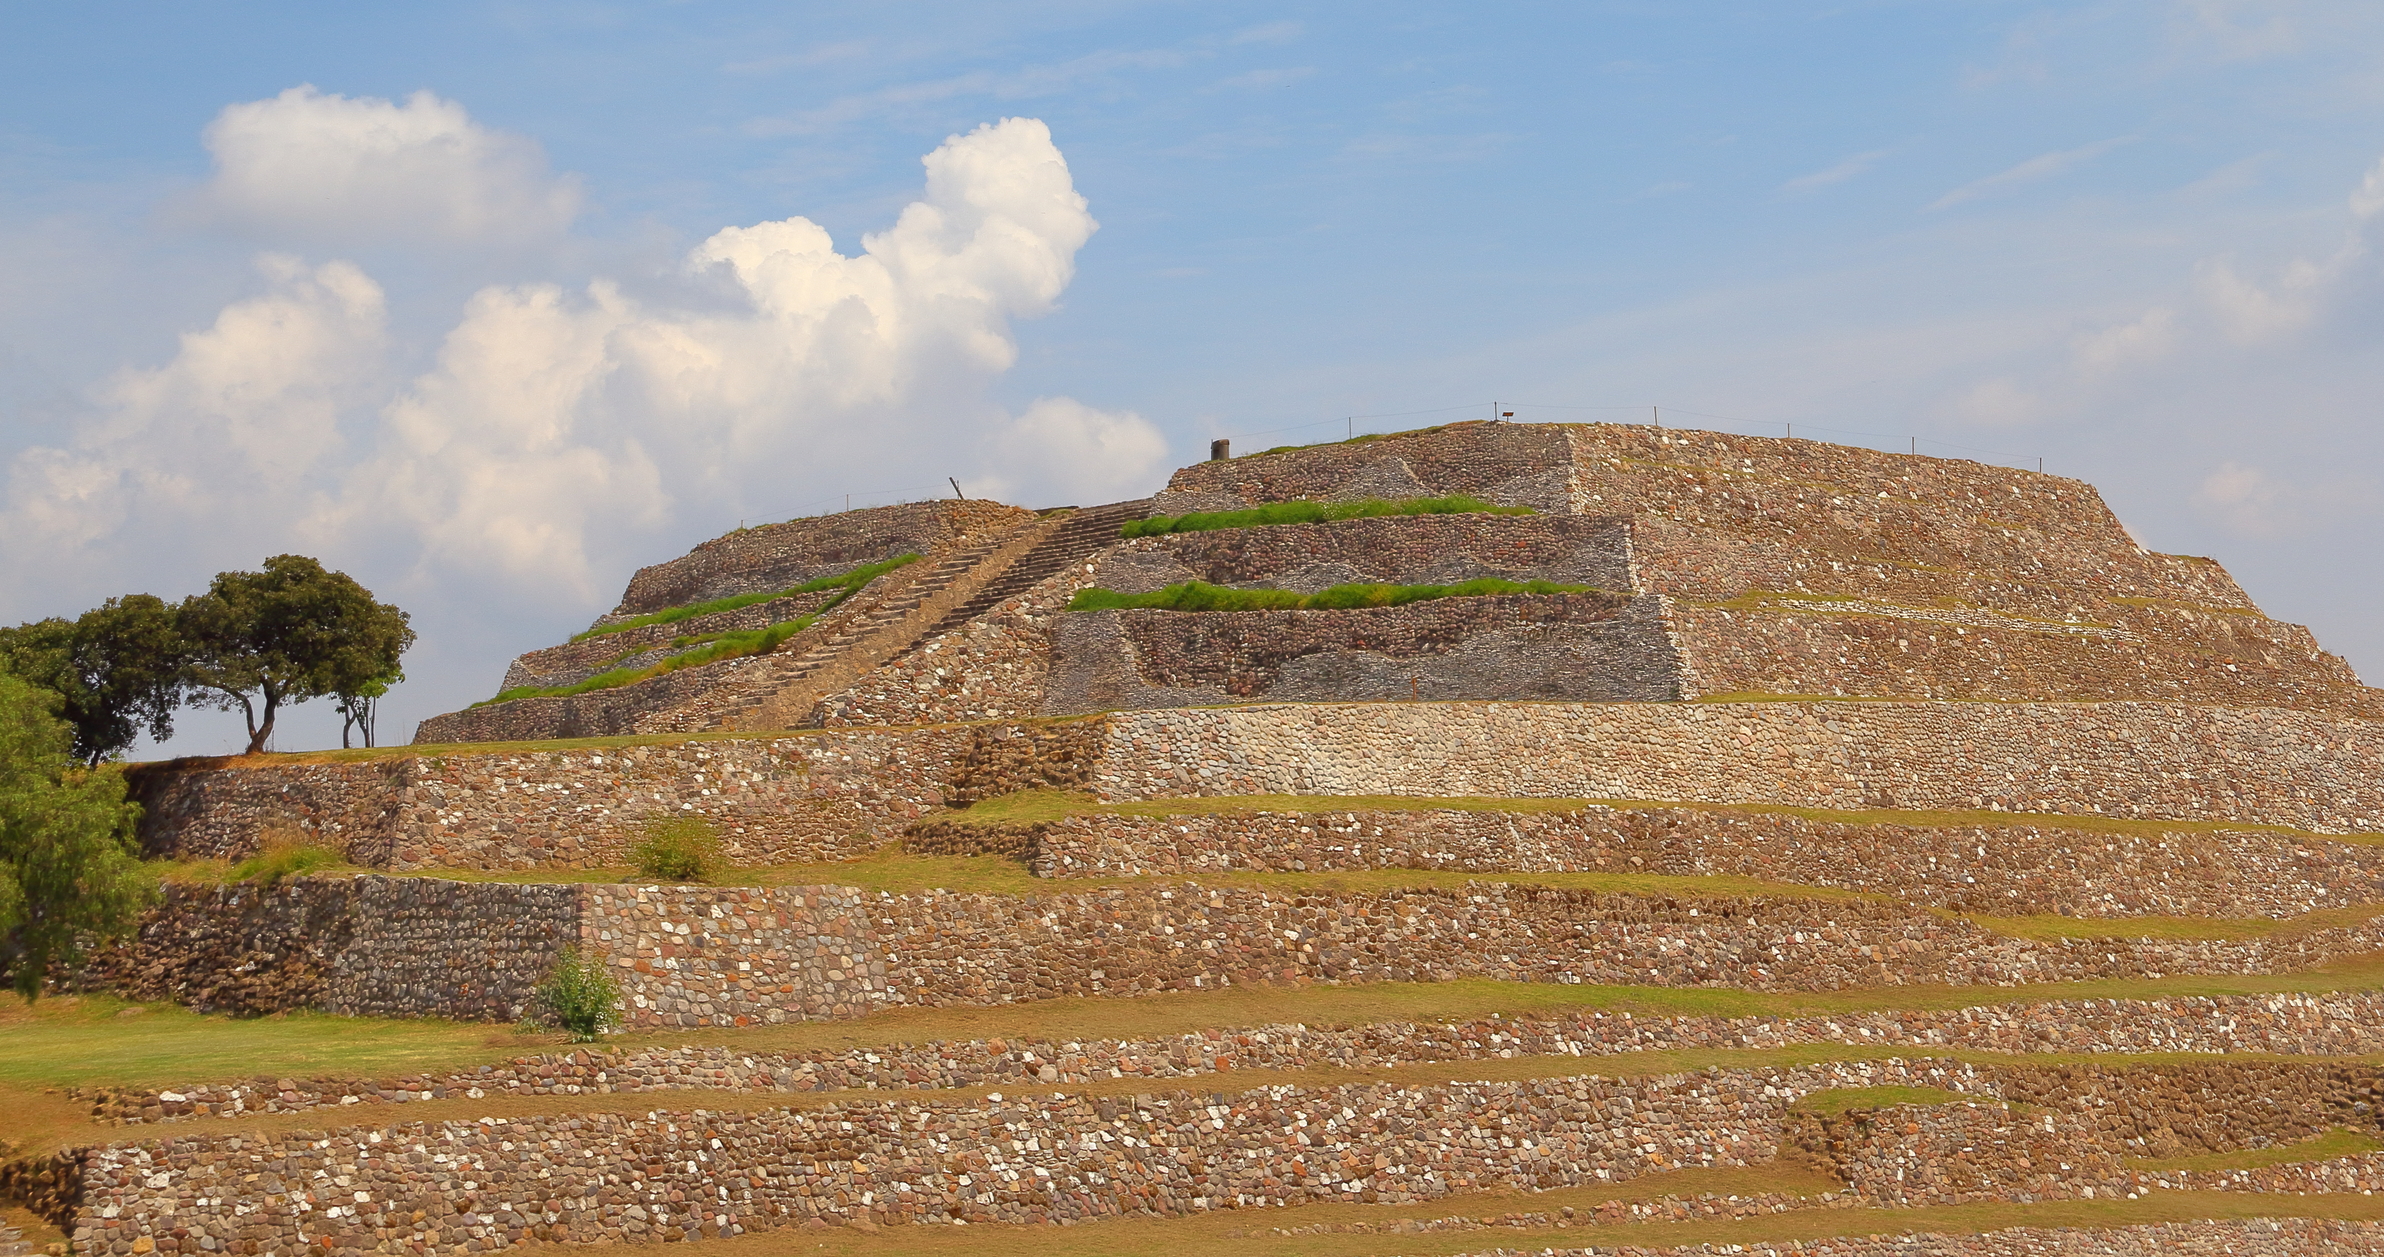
<point>680,849</point>
<point>581,995</point>
<point>284,856</point>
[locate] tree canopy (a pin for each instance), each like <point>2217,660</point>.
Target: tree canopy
<point>69,870</point>
<point>117,671</point>
<point>295,631</point>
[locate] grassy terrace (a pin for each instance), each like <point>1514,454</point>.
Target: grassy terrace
<point>711,647</point>
<point>1306,512</point>
<point>1202,596</point>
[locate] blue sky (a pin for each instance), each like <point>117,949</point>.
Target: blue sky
<point>444,294</point>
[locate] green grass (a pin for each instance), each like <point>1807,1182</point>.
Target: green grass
<point>848,581</point>
<point>2332,1145</point>
<point>67,1040</point>
<point>1202,596</point>
<point>715,647</point>
<point>1307,512</point>
<point>1840,1100</point>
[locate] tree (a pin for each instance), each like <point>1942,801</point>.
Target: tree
<point>292,632</point>
<point>69,870</point>
<point>117,671</point>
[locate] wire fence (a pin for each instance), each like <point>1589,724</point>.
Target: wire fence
<point>1498,411</point>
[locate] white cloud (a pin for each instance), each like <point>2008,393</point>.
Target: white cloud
<point>1839,173</point>
<point>1269,33</point>
<point>2247,500</point>
<point>553,422</point>
<point>1064,448</point>
<point>1999,403</point>
<point>2250,312</point>
<point>227,432</point>
<point>2140,342</point>
<point>2034,170</point>
<point>346,172</point>
<point>556,431</point>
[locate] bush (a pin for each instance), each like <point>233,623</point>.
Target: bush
<point>580,994</point>
<point>285,856</point>
<point>1202,596</point>
<point>680,849</point>
<point>1305,512</point>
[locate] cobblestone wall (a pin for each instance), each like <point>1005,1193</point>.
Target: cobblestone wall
<point>1405,550</point>
<point>797,798</point>
<point>598,1177</point>
<point>777,556</point>
<point>1593,647</point>
<point>2258,1237</point>
<point>2233,764</point>
<point>573,662</point>
<point>2016,869</point>
<point>365,946</point>
<point>737,956</point>
<point>2341,1024</point>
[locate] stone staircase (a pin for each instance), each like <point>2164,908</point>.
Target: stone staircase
<point>1081,533</point>
<point>891,627</point>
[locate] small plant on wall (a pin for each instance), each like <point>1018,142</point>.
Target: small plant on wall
<point>678,849</point>
<point>582,997</point>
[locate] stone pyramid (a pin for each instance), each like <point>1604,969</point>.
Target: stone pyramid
<point>1829,840</point>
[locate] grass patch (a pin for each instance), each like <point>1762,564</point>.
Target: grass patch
<point>847,581</point>
<point>1841,1100</point>
<point>1307,512</point>
<point>1202,596</point>
<point>2332,1145</point>
<point>715,647</point>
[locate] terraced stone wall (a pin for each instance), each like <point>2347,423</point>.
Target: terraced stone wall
<point>2017,869</point>
<point>671,1175</point>
<point>1405,550</point>
<point>365,946</point>
<point>774,800</point>
<point>574,662</point>
<point>2262,766</point>
<point>776,556</point>
<point>1597,647</point>
<point>695,956</point>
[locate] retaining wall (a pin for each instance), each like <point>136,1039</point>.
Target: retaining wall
<point>606,1177</point>
<point>2016,869</point>
<point>730,956</point>
<point>2255,765</point>
<point>774,800</point>
<point>364,946</point>
<point>2337,1024</point>
<point>1582,647</point>
<point>812,795</point>
<point>1405,550</point>
<point>777,556</point>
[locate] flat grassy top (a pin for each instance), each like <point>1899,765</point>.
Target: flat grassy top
<point>1030,806</point>
<point>95,1039</point>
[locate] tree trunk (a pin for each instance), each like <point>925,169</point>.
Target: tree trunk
<point>258,735</point>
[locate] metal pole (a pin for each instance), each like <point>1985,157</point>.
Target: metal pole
<point>1658,414</point>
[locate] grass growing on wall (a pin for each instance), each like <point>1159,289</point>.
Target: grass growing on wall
<point>1202,596</point>
<point>850,581</point>
<point>1315,513</point>
<point>716,647</point>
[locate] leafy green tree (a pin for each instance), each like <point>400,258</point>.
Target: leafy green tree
<point>117,671</point>
<point>292,632</point>
<point>69,872</point>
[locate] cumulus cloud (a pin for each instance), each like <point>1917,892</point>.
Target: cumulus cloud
<point>326,169</point>
<point>2246,499</point>
<point>226,432</point>
<point>555,420</point>
<point>556,432</point>
<point>2138,342</point>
